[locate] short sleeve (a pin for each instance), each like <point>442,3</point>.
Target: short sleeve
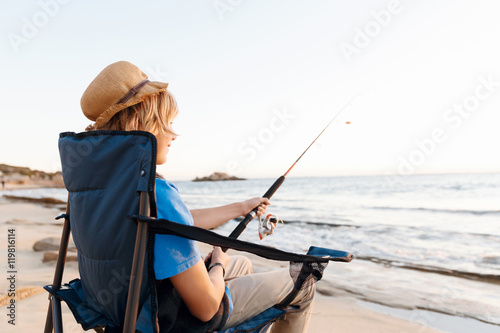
<point>172,254</point>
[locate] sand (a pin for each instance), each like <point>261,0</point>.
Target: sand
<point>341,312</point>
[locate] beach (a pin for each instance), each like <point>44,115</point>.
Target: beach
<point>351,297</point>
<point>32,222</point>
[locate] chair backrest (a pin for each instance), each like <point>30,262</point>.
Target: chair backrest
<point>104,172</point>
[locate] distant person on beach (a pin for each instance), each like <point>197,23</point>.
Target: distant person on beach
<point>121,98</point>
<point>3,184</point>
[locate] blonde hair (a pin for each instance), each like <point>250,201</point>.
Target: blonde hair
<point>153,115</point>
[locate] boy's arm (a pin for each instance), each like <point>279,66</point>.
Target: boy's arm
<point>209,218</point>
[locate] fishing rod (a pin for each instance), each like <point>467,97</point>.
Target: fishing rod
<point>249,217</point>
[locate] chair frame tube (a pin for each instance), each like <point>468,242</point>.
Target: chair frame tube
<point>137,266</point>
<point>54,316</point>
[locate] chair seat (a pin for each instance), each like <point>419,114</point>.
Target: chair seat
<point>261,322</point>
<point>89,319</point>
<point>71,293</point>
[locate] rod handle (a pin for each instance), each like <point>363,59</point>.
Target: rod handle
<point>249,217</point>
<point>242,225</point>
<point>274,187</point>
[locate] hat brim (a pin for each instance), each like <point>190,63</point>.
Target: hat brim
<point>150,89</point>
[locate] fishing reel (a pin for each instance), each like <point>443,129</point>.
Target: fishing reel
<point>267,225</point>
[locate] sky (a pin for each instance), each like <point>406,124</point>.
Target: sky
<point>414,84</point>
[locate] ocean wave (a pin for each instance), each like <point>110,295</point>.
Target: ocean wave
<point>323,224</point>
<point>440,210</point>
<point>489,278</point>
<point>316,224</point>
<point>491,259</point>
<point>42,200</point>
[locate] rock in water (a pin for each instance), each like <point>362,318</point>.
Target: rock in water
<point>217,176</point>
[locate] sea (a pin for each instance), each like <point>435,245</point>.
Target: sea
<point>426,244</point>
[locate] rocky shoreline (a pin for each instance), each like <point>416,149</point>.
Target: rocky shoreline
<point>14,176</point>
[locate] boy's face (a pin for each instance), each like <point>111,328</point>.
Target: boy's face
<point>164,141</point>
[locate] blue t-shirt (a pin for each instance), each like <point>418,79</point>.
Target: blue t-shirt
<point>173,254</point>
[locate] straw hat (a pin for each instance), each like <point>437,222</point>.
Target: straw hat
<point>117,87</point>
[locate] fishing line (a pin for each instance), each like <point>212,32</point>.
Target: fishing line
<point>243,224</point>
<point>324,129</point>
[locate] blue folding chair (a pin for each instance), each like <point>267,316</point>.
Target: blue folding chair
<point>110,177</point>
